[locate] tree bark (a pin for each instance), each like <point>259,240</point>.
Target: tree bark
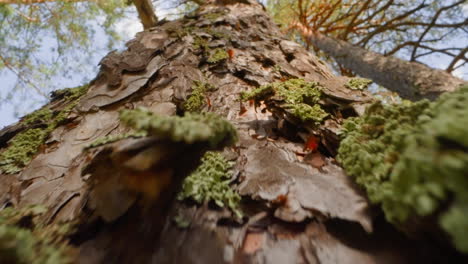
<point>410,80</point>
<point>296,211</point>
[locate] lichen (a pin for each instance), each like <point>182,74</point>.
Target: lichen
<point>200,43</point>
<point>412,159</point>
<point>179,31</point>
<point>306,112</point>
<point>358,83</point>
<point>196,100</point>
<point>70,93</point>
<point>190,128</point>
<point>113,138</point>
<point>213,16</point>
<point>38,116</point>
<point>23,147</point>
<point>217,55</point>
<point>211,182</point>
<point>24,238</point>
<point>299,97</point>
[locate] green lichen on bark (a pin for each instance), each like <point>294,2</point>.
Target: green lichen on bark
<point>211,182</point>
<point>412,159</point>
<point>23,147</point>
<point>299,97</point>
<point>24,238</point>
<point>358,83</point>
<point>213,16</point>
<point>38,116</point>
<point>70,93</point>
<point>197,99</point>
<point>217,55</point>
<point>114,138</point>
<point>200,43</point>
<point>190,128</point>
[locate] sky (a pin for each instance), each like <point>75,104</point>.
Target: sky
<point>24,102</point>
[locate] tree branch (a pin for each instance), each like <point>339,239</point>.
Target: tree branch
<point>146,13</point>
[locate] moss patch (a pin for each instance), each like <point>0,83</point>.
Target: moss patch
<point>412,159</point>
<point>211,182</point>
<point>191,128</point>
<point>200,43</point>
<point>113,138</point>
<point>197,98</point>
<point>24,239</point>
<point>300,98</point>
<point>217,55</point>
<point>23,147</point>
<point>358,83</point>
<point>39,116</point>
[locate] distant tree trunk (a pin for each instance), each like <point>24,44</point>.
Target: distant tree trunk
<point>299,205</point>
<point>410,80</point>
<point>146,13</point>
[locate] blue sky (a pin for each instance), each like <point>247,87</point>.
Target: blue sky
<point>26,101</point>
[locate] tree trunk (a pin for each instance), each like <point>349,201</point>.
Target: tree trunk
<point>410,80</point>
<point>146,13</point>
<point>299,206</point>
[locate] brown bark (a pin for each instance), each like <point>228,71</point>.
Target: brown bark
<point>294,212</point>
<point>410,80</point>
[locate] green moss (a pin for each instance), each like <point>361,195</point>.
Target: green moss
<point>259,94</point>
<point>200,43</point>
<point>210,182</point>
<point>113,138</point>
<point>217,55</point>
<point>25,239</point>
<point>197,98</point>
<point>181,221</point>
<point>180,31</point>
<point>39,116</point>
<point>218,34</point>
<point>71,93</point>
<point>358,83</point>
<point>412,159</point>
<point>191,128</point>
<point>212,16</point>
<point>306,112</point>
<point>23,147</point>
<point>300,98</point>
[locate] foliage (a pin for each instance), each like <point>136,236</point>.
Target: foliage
<point>190,128</point>
<point>412,29</point>
<point>412,159</point>
<point>210,182</point>
<point>64,30</point>
<point>24,238</point>
<point>300,98</point>
<point>23,147</point>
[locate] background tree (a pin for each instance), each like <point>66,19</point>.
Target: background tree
<point>412,30</point>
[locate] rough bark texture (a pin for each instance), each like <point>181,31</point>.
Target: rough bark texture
<point>297,210</point>
<point>410,80</point>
